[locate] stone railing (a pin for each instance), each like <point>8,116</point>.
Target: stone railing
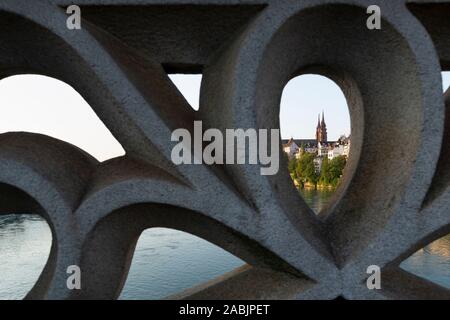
<point>395,198</point>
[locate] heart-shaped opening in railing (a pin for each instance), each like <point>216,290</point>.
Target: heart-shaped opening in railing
<point>315,129</point>
<point>25,243</point>
<point>387,159</point>
<point>168,261</point>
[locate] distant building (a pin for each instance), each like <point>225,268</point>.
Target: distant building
<point>346,142</point>
<point>335,151</point>
<point>320,146</point>
<point>321,130</point>
<point>339,148</point>
<point>322,149</point>
<point>347,149</point>
<point>290,148</point>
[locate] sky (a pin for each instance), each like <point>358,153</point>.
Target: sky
<point>40,104</point>
<point>303,98</point>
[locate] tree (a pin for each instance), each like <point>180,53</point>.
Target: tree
<point>291,167</point>
<point>305,170</point>
<point>331,171</point>
<point>325,175</point>
<point>337,166</point>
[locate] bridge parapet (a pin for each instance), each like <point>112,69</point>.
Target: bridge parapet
<point>395,197</point>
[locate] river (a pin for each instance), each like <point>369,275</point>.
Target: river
<point>165,261</point>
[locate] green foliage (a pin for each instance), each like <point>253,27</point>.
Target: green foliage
<point>305,171</point>
<point>325,175</point>
<point>291,166</point>
<point>332,170</point>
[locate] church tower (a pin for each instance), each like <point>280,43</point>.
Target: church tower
<point>321,130</point>
<point>318,136</point>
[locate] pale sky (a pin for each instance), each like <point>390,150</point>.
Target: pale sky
<point>48,106</point>
<point>303,98</point>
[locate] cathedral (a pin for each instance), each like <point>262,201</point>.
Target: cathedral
<point>320,146</point>
<point>321,130</point>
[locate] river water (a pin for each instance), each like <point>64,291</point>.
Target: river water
<point>165,261</point>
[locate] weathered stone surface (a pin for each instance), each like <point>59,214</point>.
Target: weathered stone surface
<point>395,198</point>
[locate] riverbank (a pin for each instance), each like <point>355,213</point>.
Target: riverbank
<point>318,186</point>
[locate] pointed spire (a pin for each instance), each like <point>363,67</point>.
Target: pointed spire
<point>318,120</point>
<point>323,117</point>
